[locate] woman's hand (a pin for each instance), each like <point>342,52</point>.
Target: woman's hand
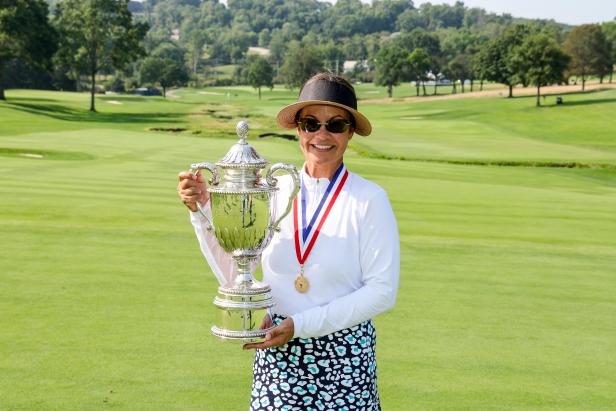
<point>277,337</point>
<point>192,188</point>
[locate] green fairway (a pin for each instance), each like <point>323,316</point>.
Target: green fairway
<point>508,274</point>
<point>582,130</point>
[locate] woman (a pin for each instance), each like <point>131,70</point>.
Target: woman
<point>333,266</point>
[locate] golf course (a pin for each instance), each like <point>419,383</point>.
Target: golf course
<point>507,222</point>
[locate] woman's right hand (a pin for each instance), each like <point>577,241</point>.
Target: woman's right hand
<point>192,188</point>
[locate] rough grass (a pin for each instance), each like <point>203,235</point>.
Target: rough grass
<point>506,298</point>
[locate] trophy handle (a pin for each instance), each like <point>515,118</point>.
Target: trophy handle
<point>213,181</point>
<point>272,181</point>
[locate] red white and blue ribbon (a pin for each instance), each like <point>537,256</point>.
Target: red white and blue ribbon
<point>304,242</point>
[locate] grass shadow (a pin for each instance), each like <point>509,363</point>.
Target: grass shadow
<point>142,99</point>
<point>11,99</point>
<point>443,115</point>
<point>571,93</point>
<point>280,98</point>
<point>564,95</point>
<point>64,113</point>
<point>124,97</point>
<point>583,102</point>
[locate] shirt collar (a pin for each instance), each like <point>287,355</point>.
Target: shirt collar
<point>311,182</point>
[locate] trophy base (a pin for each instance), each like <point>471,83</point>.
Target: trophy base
<point>240,336</point>
<point>243,309</point>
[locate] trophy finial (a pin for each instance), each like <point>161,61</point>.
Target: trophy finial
<point>242,130</point>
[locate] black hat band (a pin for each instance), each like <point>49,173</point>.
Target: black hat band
<point>325,90</point>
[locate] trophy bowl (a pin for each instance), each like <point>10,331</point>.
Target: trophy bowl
<point>243,221</point>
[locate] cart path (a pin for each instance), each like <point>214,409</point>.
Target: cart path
<point>499,92</point>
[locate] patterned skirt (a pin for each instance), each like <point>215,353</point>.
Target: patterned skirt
<point>333,372</point>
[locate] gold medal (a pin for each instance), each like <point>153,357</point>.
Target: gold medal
<point>301,284</point>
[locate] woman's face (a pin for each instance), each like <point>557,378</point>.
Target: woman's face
<point>323,149</point>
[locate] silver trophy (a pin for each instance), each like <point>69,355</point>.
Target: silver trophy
<point>244,220</point>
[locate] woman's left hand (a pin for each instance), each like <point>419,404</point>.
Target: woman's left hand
<point>277,337</point>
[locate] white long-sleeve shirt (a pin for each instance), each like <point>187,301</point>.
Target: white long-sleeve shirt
<point>354,266</point>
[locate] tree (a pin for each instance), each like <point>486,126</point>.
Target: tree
<point>345,17</point>
<point>260,73</point>
<point>172,13</point>
<point>429,42</point>
<point>418,65</point>
<point>169,50</point>
<point>479,68</point>
<point>589,51</point>
<point>333,56</point>
<point>411,19</point>
<point>390,64</point>
<point>419,38</point>
<point>458,68</point>
<point>443,15</point>
<point>98,35</point>
<point>163,71</point>
<point>25,33</point>
<point>462,45</point>
<point>197,41</point>
<point>496,57</point>
<point>278,48</point>
<point>231,45</point>
<point>609,30</point>
<point>300,64</point>
<point>383,14</point>
<point>541,61</point>
<point>265,37</point>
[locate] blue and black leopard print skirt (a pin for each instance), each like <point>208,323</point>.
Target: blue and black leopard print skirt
<point>333,372</point>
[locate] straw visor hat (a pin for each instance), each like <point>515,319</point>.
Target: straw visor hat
<point>325,92</point>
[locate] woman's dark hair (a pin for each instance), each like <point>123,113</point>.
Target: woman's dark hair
<point>334,79</point>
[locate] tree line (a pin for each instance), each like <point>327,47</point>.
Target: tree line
<point>521,54</point>
<point>69,44</point>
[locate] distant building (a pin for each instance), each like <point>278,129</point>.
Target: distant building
<point>350,65</point>
<point>175,34</point>
<point>258,51</point>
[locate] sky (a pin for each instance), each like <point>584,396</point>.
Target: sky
<point>563,11</point>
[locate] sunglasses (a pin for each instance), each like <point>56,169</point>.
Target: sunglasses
<point>311,125</point>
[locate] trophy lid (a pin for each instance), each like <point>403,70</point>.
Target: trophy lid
<point>242,154</point>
